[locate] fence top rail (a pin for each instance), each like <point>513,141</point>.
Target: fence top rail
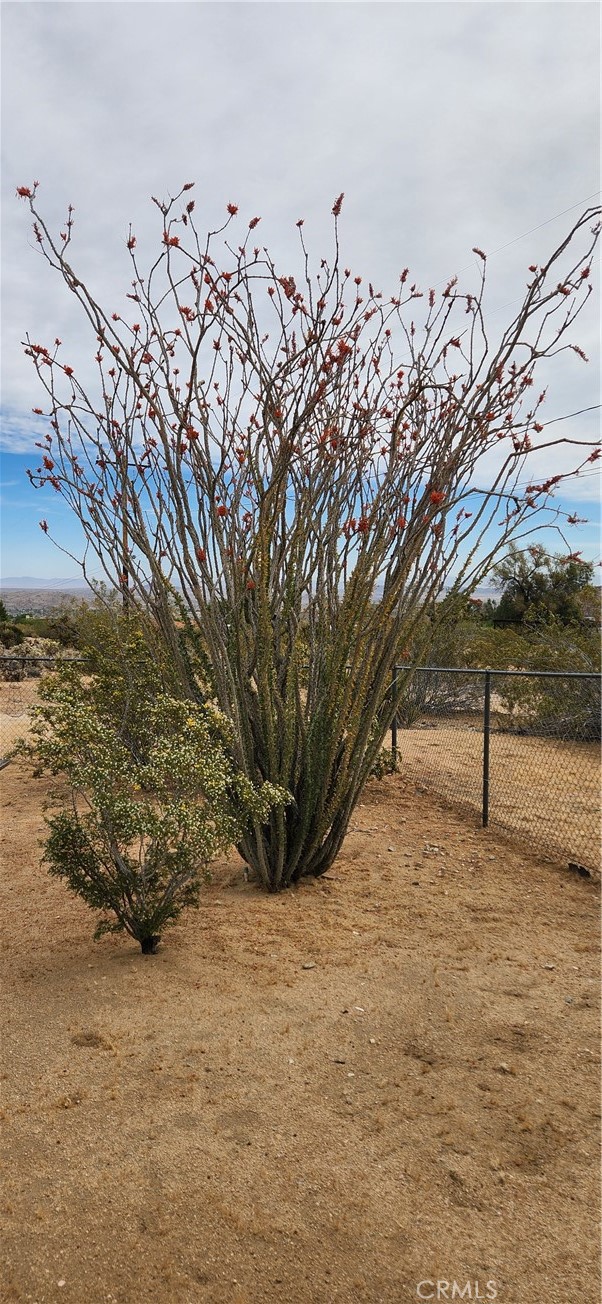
<point>522,674</point>
<point>447,670</point>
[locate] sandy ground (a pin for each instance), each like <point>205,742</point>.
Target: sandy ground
<point>329,1096</point>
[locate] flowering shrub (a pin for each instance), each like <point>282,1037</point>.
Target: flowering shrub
<point>132,667</point>
<point>139,834</point>
<point>279,447</point>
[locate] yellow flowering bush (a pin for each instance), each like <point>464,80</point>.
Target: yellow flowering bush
<point>138,834</point>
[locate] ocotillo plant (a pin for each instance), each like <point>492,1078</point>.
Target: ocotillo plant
<point>292,466</point>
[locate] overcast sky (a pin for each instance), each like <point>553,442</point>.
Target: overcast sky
<point>445,124</point>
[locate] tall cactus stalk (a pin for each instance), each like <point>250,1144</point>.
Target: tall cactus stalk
<point>298,468</point>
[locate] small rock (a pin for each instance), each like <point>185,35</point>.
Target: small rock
<point>310,965</point>
<point>549,966</point>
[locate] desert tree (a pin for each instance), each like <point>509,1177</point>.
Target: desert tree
<point>290,466</point>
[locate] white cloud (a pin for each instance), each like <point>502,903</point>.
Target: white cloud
<point>445,124</point>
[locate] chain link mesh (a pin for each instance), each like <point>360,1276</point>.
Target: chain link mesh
<point>19,679</point>
<point>544,752</point>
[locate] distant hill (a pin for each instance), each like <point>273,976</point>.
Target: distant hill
<point>35,601</point>
<point>34,582</point>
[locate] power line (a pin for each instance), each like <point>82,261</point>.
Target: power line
<point>546,223</point>
<point>532,229</point>
<point>593,408</point>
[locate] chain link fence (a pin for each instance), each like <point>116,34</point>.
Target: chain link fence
<point>520,747</point>
<point>19,678</point>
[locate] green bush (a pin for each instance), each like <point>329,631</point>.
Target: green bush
<point>10,634</point>
<point>563,708</point>
<point>130,666</point>
<point>154,797</point>
<point>385,763</point>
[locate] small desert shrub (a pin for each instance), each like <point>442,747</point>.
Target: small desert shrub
<point>139,834</point>
<point>11,634</point>
<point>385,763</point>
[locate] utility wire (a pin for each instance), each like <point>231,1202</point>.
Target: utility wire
<point>531,231</point>
<point>546,223</point>
<point>594,408</point>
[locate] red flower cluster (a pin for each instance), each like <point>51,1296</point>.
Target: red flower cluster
<point>436,497</point>
<point>338,204</point>
<point>288,285</point>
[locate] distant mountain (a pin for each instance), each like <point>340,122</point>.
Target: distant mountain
<point>34,582</point>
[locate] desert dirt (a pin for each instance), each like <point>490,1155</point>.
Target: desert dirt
<point>329,1096</point>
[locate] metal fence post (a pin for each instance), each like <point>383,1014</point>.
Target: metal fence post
<point>486,734</point>
<point>394,720</point>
